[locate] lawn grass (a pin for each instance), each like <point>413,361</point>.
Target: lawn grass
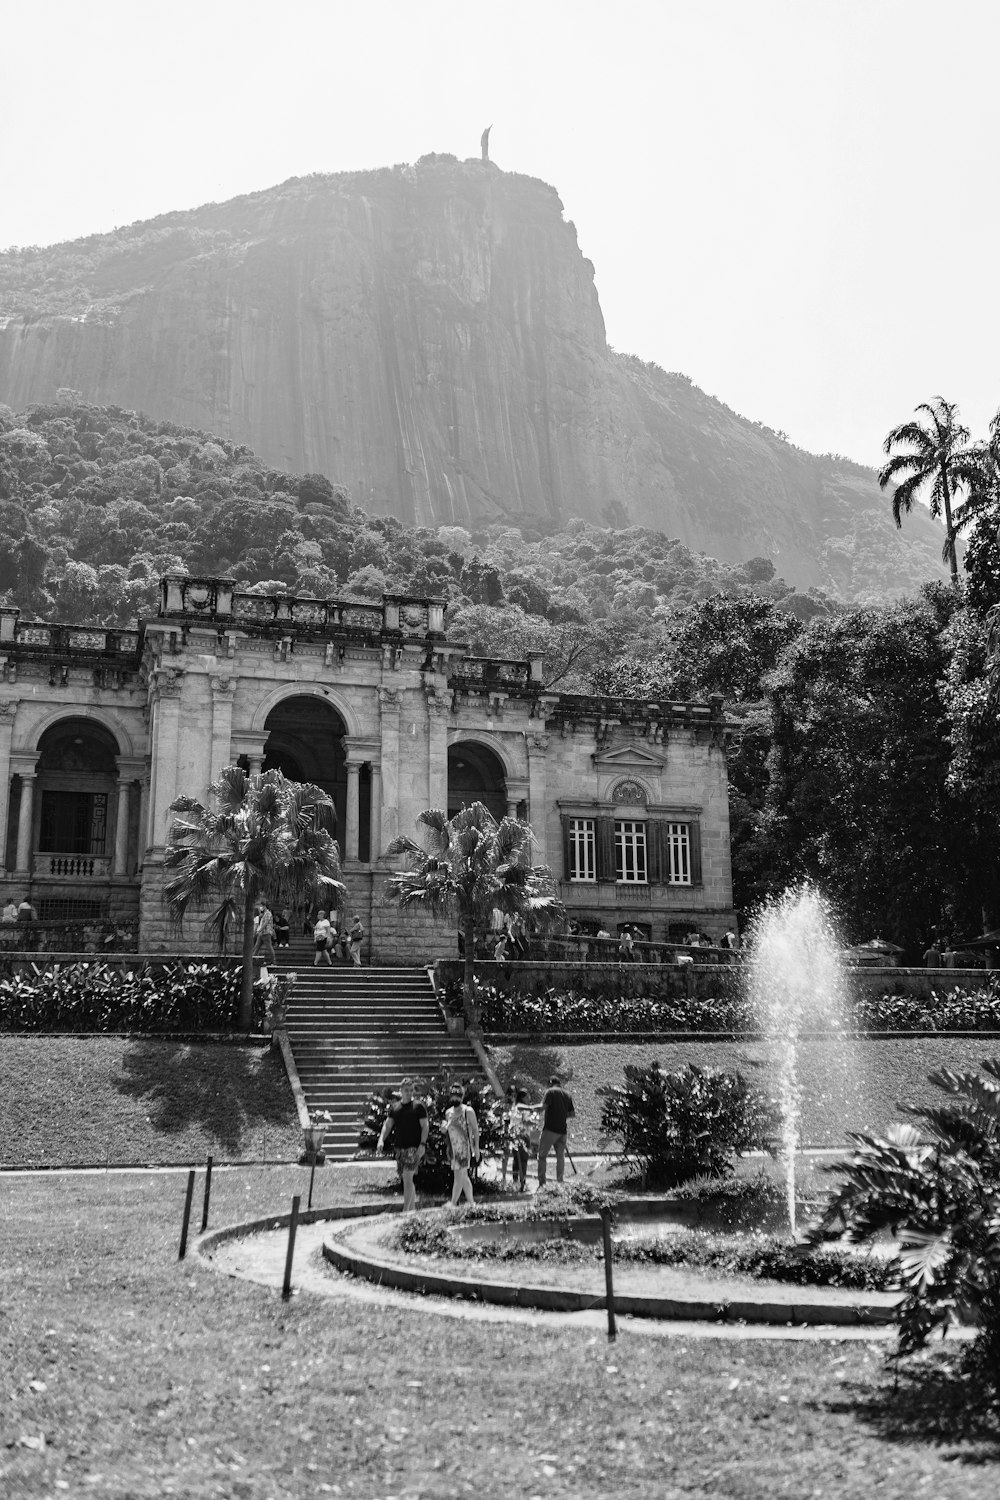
<point>68,1100</point>
<point>126,1374</point>
<point>881,1073</point>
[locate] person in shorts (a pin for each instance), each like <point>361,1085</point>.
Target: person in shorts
<point>322,935</point>
<point>407,1123</point>
<point>557,1111</point>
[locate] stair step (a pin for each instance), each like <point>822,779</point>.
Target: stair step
<point>354,1032</point>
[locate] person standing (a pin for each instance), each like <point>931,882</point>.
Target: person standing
<point>263,947</point>
<point>463,1143</point>
<point>932,956</point>
<point>557,1111</point>
<point>626,946</point>
<point>408,1124</point>
<point>519,1119</point>
<point>322,937</point>
<point>355,939</point>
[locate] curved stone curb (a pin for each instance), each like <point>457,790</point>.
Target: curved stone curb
<point>559,1299</point>
<point>205,1243</point>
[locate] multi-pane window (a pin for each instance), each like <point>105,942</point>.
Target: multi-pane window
<point>678,841</point>
<point>630,852</point>
<point>73,822</point>
<point>582,849</point>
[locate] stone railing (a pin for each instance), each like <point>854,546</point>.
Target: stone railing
<point>489,671</point>
<point>78,642</point>
<point>99,936</point>
<point>218,600</point>
<point>73,866</point>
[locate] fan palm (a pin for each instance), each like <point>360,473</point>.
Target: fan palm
<point>474,868</point>
<point>266,836</point>
<point>938,1188</point>
<point>936,452</point>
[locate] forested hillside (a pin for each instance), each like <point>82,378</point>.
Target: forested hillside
<point>97,503</point>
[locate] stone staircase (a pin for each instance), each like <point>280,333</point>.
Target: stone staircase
<point>353,1030</point>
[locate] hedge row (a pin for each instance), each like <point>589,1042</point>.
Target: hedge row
<point>187,997</point>
<point>564,1011</point>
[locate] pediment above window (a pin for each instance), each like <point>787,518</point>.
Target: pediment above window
<point>629,758</point>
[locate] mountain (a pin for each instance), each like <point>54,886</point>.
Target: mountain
<point>430,336</point>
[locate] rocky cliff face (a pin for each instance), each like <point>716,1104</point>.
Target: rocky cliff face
<point>431,336</point>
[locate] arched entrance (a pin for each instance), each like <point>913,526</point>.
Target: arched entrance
<point>77,785</point>
<point>305,742</point>
<point>475,774</point>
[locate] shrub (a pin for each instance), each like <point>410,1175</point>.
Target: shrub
<point>938,1188</point>
<point>434,1174</point>
<point>686,1124</point>
<point>103,997</point>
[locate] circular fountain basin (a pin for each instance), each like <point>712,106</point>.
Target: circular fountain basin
<point>677,1296</point>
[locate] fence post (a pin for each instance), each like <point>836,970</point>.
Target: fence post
<point>187,1214</point>
<point>608,1279</point>
<point>293,1224</point>
<point>208,1194</point>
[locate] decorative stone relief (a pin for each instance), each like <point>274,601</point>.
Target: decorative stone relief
<point>8,708</point>
<point>631,792</point>
<point>538,742</point>
<point>223,687</point>
<point>390,698</point>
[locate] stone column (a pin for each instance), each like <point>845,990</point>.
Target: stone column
<point>353,813</point>
<point>24,822</point>
<point>375,817</point>
<point>538,811</point>
<point>121,828</point>
<point>143,817</point>
<point>256,764</point>
<point>438,711</point>
<point>7,711</point>
<point>389,700</point>
<point>165,749</point>
<point>222,725</point>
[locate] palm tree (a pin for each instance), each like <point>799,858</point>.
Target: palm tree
<point>267,837</point>
<point>474,868</point>
<point>938,452</point>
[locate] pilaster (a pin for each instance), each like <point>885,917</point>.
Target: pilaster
<point>8,709</point>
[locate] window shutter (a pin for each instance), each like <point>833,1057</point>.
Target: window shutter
<point>656,855</point>
<point>567,850</point>
<point>694,836</point>
<point>605,831</point>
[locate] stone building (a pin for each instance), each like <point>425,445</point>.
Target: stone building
<point>101,729</point>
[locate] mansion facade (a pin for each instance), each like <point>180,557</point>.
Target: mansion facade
<point>102,729</point>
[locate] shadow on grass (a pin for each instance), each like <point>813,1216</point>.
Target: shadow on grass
<point>932,1402</point>
<point>232,1093</point>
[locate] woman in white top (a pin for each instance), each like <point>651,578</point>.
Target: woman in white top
<point>463,1144</point>
<point>322,936</point>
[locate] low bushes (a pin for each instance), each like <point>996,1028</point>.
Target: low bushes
<point>692,1123</point>
<point>760,1256</point>
<point>556,1012</point>
<point>186,997</point>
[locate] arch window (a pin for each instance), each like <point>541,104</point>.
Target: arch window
<point>475,774</point>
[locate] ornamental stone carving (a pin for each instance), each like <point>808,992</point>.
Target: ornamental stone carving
<point>390,698</point>
<point>630,792</point>
<point>8,708</point>
<point>223,687</point>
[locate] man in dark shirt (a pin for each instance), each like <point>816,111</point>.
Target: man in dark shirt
<point>408,1124</point>
<point>557,1111</point>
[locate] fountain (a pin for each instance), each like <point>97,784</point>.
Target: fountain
<point>797,987</point>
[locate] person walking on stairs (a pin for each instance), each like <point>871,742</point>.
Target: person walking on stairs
<point>263,947</point>
<point>408,1124</point>
<point>322,937</point>
<point>355,939</point>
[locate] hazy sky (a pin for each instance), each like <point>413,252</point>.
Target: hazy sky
<point>792,201</point>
